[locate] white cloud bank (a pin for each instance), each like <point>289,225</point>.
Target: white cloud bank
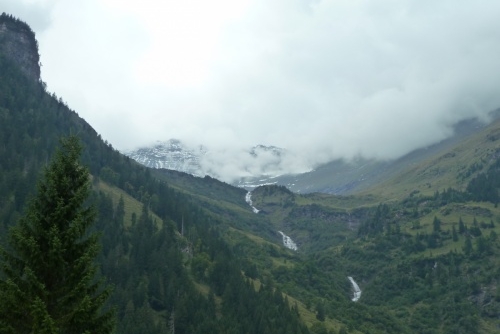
<point>323,79</point>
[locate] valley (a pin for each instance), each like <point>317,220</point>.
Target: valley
<point>404,246</point>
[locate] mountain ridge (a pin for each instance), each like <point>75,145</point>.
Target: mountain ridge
<point>199,161</point>
<point>18,43</point>
<point>338,177</point>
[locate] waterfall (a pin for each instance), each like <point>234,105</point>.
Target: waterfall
<point>357,290</point>
<point>288,242</point>
<point>248,199</point>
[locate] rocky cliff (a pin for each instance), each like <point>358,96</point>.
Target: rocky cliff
<point>18,43</point>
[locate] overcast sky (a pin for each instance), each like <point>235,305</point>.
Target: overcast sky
<point>324,79</point>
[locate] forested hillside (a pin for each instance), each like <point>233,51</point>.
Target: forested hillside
<point>190,255</point>
<point>162,280</point>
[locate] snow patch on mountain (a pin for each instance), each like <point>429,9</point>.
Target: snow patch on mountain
<point>288,242</point>
<point>246,168</point>
<point>357,290</point>
<point>248,199</point>
<point>252,185</point>
<point>172,154</point>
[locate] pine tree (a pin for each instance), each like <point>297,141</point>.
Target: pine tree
<point>320,311</point>
<point>48,283</point>
<point>454,233</point>
<point>468,246</point>
<point>436,225</point>
<point>461,226</point>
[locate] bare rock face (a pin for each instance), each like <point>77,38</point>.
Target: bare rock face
<point>18,43</point>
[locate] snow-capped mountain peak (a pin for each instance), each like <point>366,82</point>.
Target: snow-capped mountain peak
<point>171,154</point>
<point>246,168</point>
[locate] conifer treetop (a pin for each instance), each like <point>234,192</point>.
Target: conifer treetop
<point>50,284</point>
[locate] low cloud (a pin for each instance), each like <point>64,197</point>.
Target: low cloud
<point>323,79</point>
<point>234,165</point>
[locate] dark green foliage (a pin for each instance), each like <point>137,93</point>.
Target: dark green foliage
<point>443,294</point>
<point>320,312</point>
<point>435,290</point>
<point>451,195</point>
<point>474,230</point>
<point>486,185</point>
<point>454,233</point>
<point>15,24</point>
<point>9,44</point>
<point>49,283</point>
<point>461,226</point>
<point>375,225</point>
<point>436,225</point>
<point>156,281</point>
<point>468,246</point>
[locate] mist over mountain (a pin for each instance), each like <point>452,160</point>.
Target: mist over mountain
<point>231,166</point>
<point>327,80</point>
<point>171,154</point>
<point>262,164</point>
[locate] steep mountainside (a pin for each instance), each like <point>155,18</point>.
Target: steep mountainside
<point>163,252</point>
<point>18,43</point>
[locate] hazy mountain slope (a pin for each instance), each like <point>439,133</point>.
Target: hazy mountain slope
<point>342,177</point>
<point>336,177</point>
<point>451,166</point>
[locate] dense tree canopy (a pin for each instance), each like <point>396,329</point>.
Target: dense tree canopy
<point>49,284</point>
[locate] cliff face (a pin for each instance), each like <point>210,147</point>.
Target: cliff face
<point>18,43</point>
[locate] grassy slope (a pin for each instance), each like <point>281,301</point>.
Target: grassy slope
<point>442,170</point>
<point>224,201</point>
<point>449,216</point>
<point>132,206</point>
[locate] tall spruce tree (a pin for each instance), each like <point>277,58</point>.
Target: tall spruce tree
<point>48,283</point>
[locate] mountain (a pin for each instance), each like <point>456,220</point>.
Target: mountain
<point>164,253</point>
<point>338,177</point>
<point>200,161</point>
<point>19,45</point>
<point>172,154</point>
<point>364,175</point>
<point>416,252</point>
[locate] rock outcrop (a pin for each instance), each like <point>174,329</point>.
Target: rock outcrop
<point>18,43</point>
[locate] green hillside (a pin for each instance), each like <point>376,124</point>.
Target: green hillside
<point>453,167</point>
